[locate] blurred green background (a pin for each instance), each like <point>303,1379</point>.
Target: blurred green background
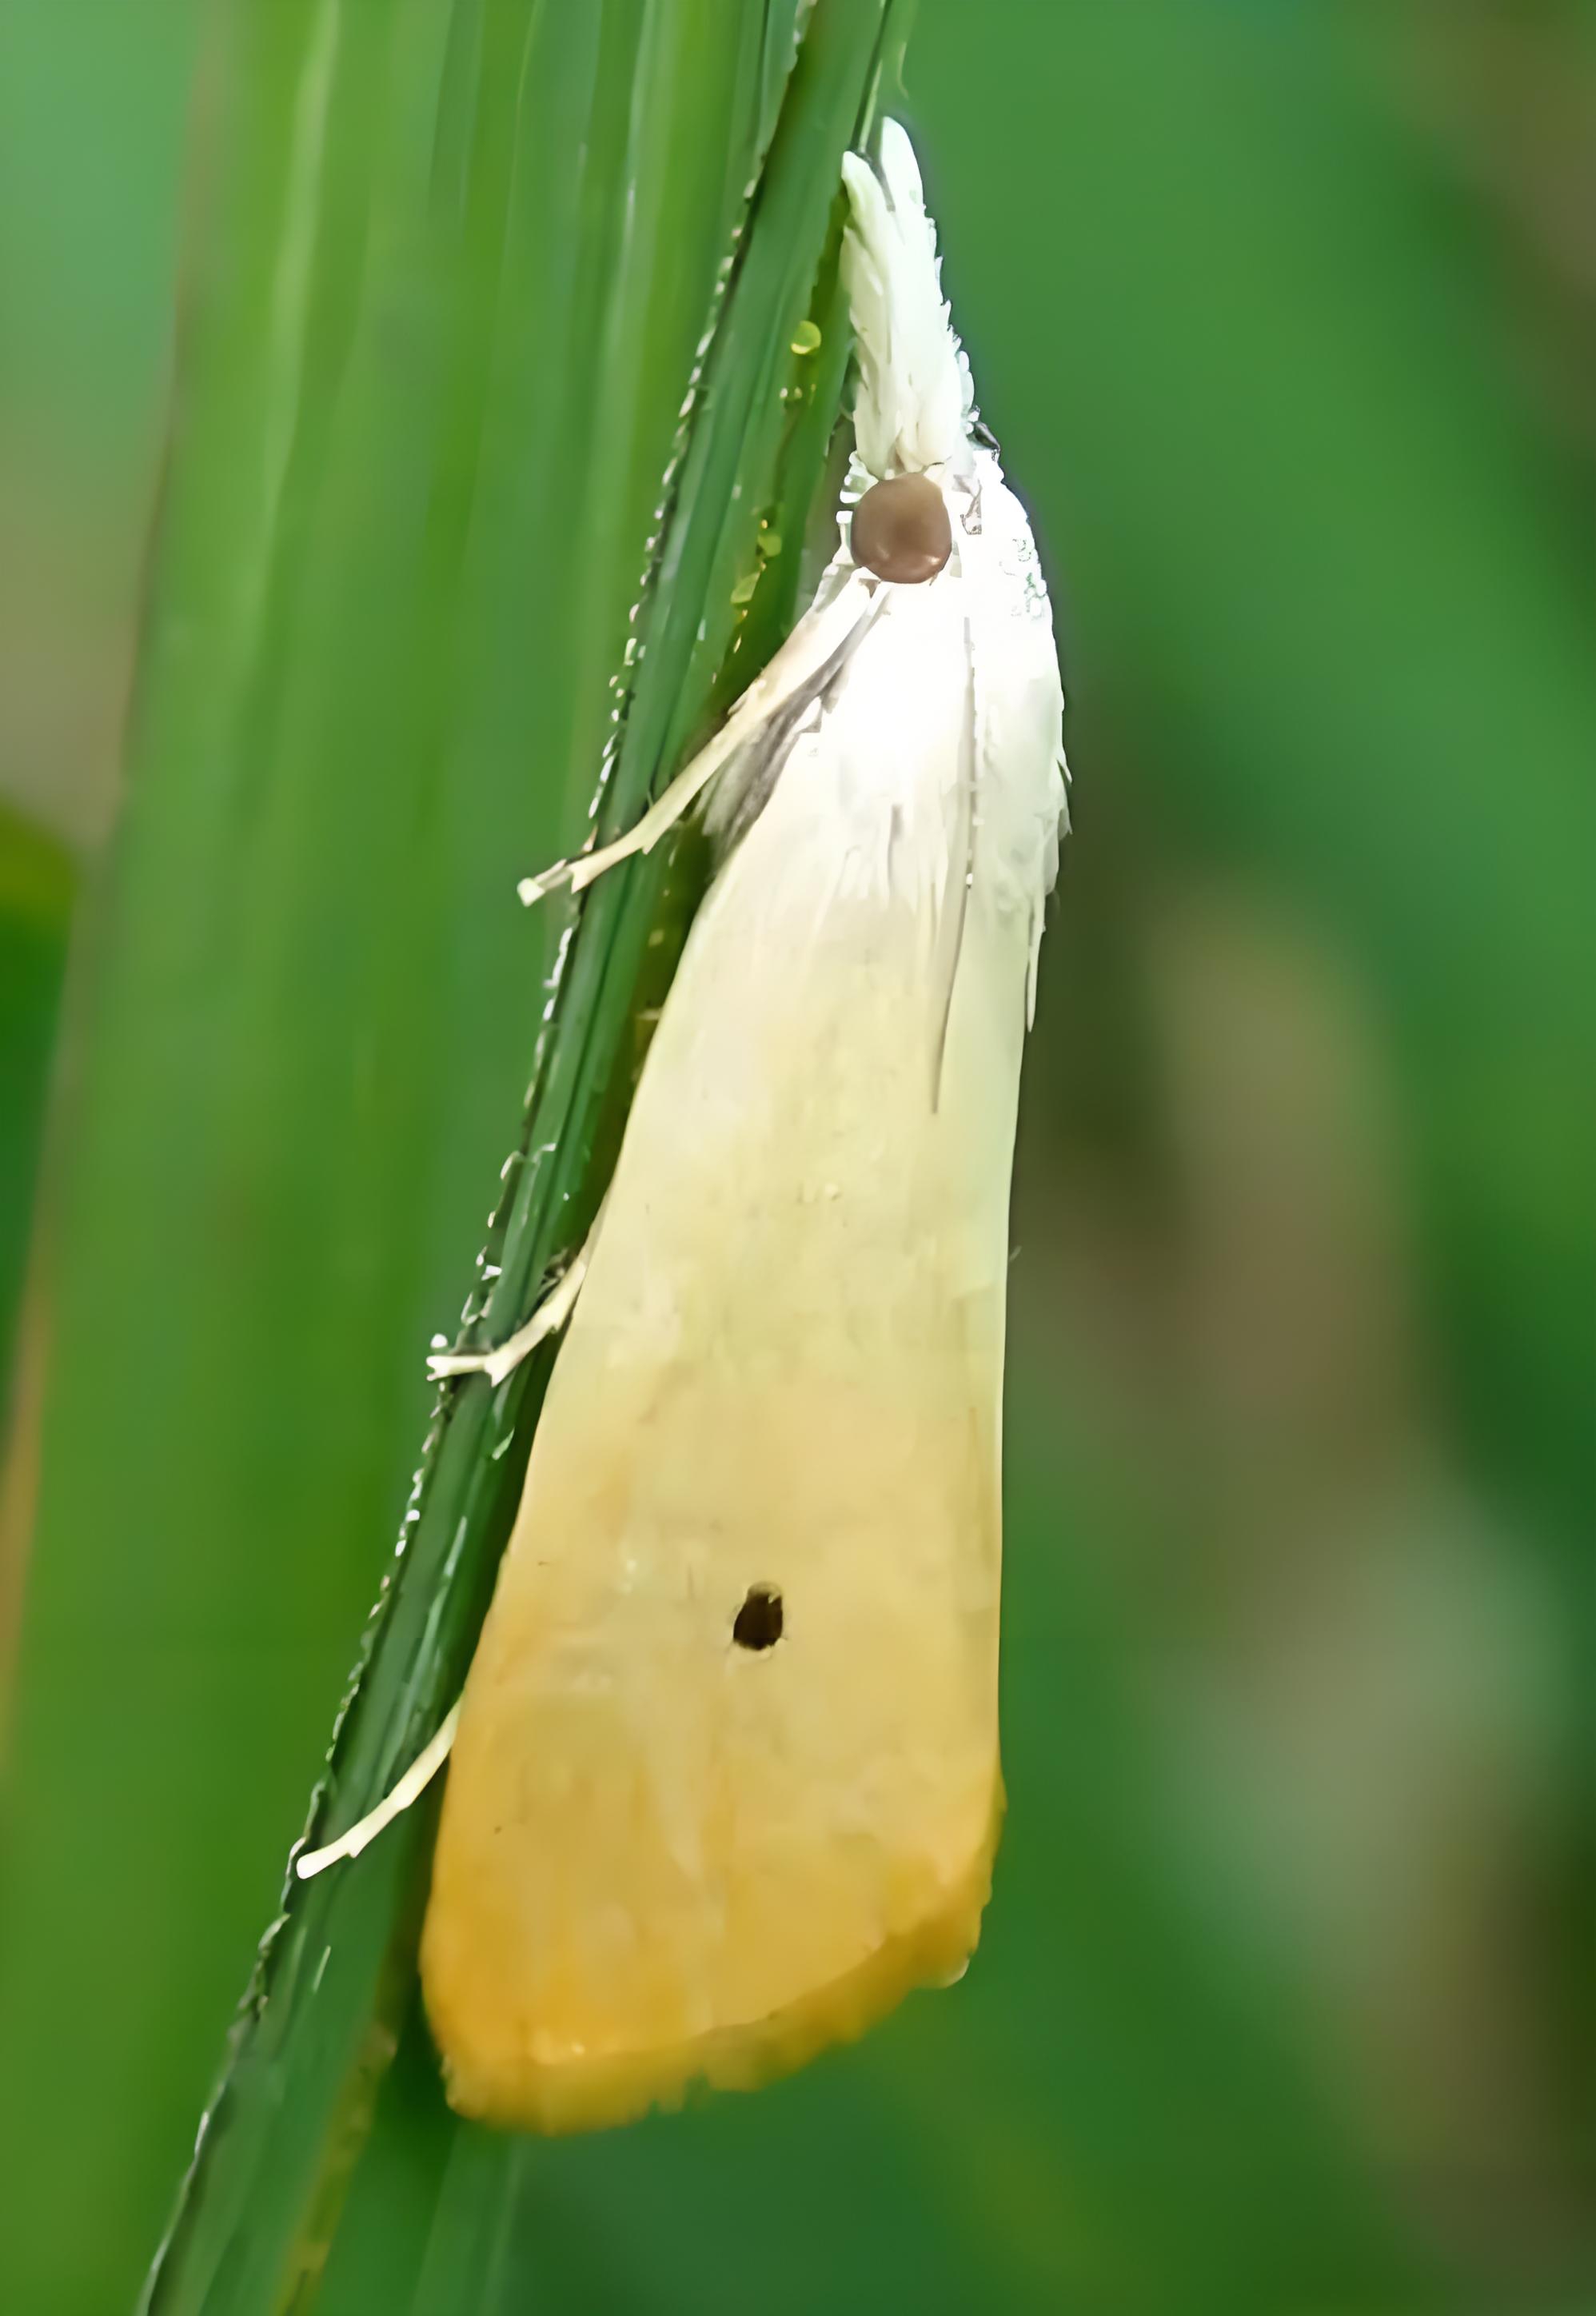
<point>1285,313</point>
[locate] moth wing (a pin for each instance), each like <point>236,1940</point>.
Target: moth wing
<point>665,1855</point>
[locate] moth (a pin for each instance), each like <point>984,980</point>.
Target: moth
<point>724,1781</point>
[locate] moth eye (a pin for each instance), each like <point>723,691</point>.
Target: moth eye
<point>901,530</point>
<point>757,1624</point>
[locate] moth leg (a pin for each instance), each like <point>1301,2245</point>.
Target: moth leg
<point>817,637</point>
<point>546,1320</point>
<point>549,1316</point>
<point>415,1782</point>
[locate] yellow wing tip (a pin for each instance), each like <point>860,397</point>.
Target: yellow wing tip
<point>598,2094</point>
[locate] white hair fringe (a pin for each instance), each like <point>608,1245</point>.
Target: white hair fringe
<point>914,393</point>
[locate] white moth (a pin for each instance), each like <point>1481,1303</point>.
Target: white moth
<point>725,1777</point>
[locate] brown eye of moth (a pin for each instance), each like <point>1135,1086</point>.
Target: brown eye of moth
<point>901,530</point>
<point>757,1624</point>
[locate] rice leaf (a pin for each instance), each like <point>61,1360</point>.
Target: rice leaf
<point>335,1971</point>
